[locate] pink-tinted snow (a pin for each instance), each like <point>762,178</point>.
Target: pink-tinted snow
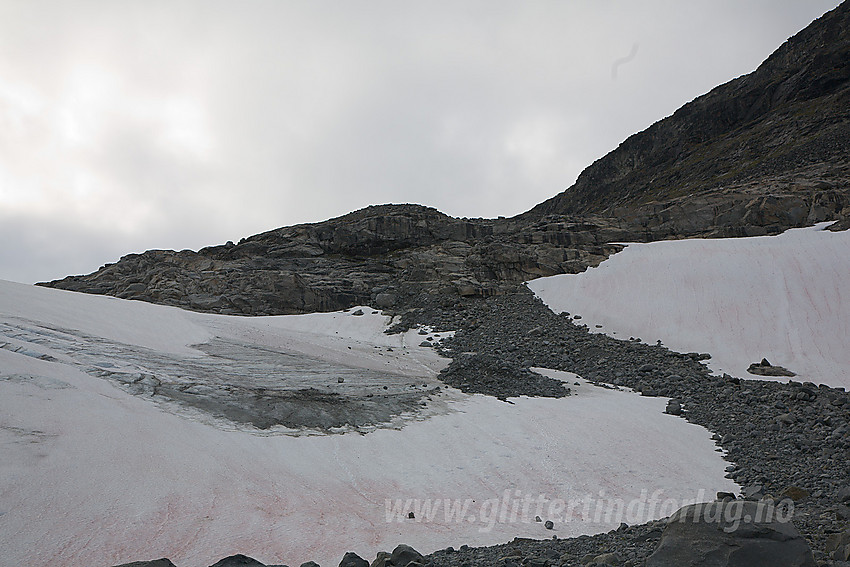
<point>91,474</point>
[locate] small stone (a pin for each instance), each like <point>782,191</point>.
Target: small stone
<point>608,559</point>
<point>754,492</point>
<point>795,493</point>
<point>673,408</point>
<point>549,525</point>
<point>385,300</point>
<point>340,380</point>
<point>838,546</point>
<point>358,313</point>
<point>382,559</point>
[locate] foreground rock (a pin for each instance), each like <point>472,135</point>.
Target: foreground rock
<point>402,556</point>
<point>738,533</point>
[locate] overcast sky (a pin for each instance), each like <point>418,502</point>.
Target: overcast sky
<point>126,126</point>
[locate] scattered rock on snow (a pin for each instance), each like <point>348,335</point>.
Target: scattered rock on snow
<point>765,368</point>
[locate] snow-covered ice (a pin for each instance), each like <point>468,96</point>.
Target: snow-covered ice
<point>93,474</point>
<point>785,298</point>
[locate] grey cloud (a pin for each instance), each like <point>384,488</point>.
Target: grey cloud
<point>301,111</point>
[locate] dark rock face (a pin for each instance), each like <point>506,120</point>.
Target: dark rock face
<point>731,534</point>
<point>765,150</point>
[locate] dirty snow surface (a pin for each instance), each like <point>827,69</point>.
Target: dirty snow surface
<point>131,431</point>
<point>785,298</point>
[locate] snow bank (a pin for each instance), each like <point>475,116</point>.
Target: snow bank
<point>786,298</point>
<point>91,474</point>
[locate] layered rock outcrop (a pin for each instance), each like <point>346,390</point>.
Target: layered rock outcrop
<point>375,255</point>
<point>760,154</point>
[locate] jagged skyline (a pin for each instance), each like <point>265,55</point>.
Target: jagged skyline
<point>136,126</point>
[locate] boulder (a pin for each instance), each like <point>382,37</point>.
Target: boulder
<point>156,563</point>
<point>674,407</point>
<point>385,300</point>
<point>731,534</point>
<point>608,559</point>
<point>238,561</point>
<point>351,559</point>
<point>382,559</point>
<point>765,368</point>
<point>403,555</point>
<point>838,546</point>
<point>795,493</point>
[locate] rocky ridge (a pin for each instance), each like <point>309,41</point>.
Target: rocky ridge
<point>369,256</point>
<point>758,155</point>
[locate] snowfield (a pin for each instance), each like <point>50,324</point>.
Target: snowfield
<point>785,298</point>
<point>92,473</point>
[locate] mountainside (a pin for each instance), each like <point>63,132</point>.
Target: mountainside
<point>760,154</point>
<point>772,143</point>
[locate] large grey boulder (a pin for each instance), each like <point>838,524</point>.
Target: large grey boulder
<point>402,556</point>
<point>731,534</point>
